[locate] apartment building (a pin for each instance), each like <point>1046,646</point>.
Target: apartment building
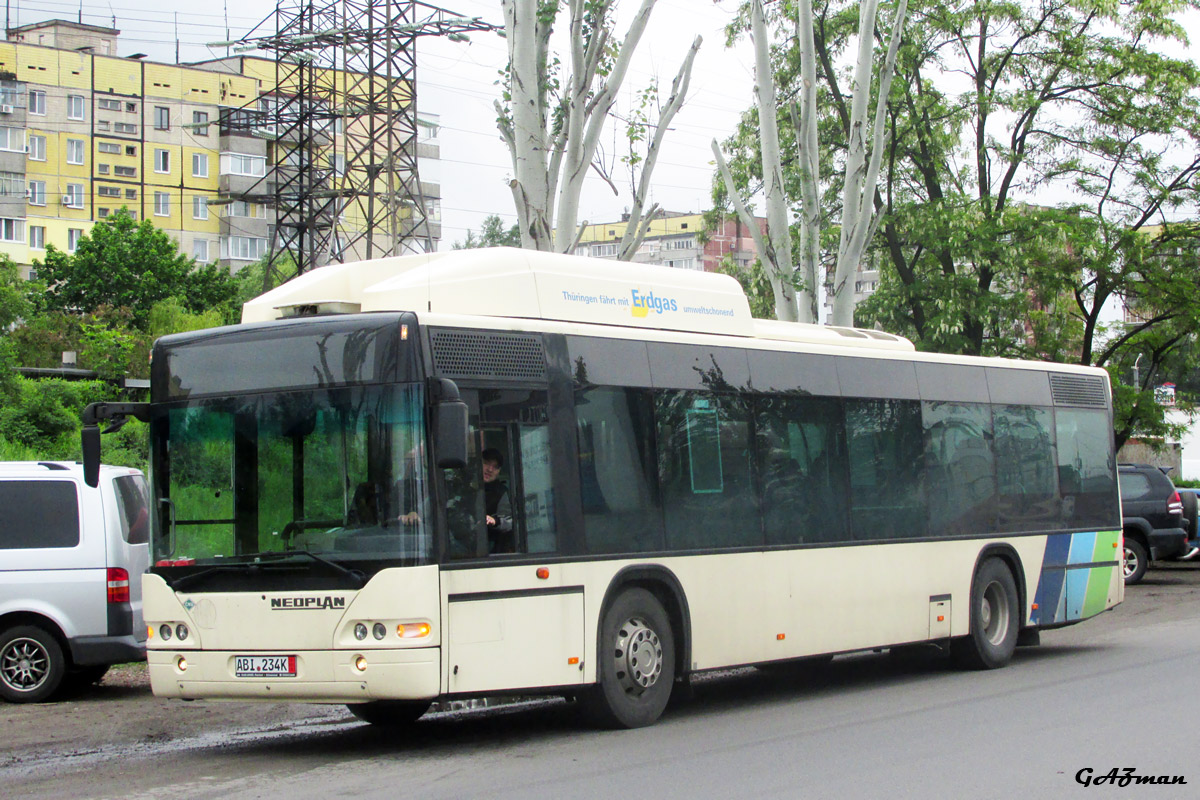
<point>675,240</point>
<point>84,132</point>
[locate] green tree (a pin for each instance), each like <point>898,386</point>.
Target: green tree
<point>126,264</point>
<point>492,234</point>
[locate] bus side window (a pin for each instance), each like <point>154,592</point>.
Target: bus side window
<point>537,490</point>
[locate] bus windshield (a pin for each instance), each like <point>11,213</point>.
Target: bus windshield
<point>336,473</point>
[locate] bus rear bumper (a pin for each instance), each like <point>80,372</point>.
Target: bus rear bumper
<point>321,676</point>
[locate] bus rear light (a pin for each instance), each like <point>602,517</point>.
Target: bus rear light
<point>175,562</point>
<point>118,585</point>
<point>413,630</point>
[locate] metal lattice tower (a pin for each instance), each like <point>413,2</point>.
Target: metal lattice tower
<point>342,119</point>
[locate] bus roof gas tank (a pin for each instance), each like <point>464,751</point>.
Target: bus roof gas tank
<point>527,284</point>
<point>520,283</point>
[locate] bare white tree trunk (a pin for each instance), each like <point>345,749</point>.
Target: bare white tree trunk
<point>809,158</point>
<point>526,131</point>
<point>554,139</point>
<point>858,218</point>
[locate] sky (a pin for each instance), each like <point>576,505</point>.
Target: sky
<point>457,82</point>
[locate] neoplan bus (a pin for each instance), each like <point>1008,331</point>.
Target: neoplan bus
<point>692,489</point>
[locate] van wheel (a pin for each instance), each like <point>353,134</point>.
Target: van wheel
<point>995,619</point>
<point>1136,561</point>
<point>636,663</point>
<point>31,664</point>
<point>390,713</point>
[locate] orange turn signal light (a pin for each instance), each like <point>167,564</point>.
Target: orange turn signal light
<point>543,573</point>
<point>779,637</point>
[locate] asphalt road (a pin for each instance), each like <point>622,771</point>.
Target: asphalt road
<point>1117,692</point>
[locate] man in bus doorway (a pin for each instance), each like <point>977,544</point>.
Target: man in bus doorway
<point>496,503</point>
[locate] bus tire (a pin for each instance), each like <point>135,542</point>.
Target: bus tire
<point>635,663</point>
<point>1137,560</point>
<point>32,664</point>
<point>995,619</point>
<point>390,713</point>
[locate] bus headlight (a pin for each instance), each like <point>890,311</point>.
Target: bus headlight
<point>360,631</point>
<point>164,631</point>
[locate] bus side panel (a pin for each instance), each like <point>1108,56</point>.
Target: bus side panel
<point>1080,577</point>
<point>505,631</point>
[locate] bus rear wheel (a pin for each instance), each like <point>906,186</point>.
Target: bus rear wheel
<point>390,713</point>
<point>636,663</point>
<point>995,619</point>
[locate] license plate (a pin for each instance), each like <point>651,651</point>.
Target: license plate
<point>264,666</point>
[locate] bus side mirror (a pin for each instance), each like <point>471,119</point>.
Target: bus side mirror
<point>90,435</point>
<point>451,434</point>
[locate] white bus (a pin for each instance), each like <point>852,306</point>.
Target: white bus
<point>690,489</point>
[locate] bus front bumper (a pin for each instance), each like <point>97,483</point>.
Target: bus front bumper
<point>324,676</point>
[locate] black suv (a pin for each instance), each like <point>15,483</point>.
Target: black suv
<point>1152,518</point>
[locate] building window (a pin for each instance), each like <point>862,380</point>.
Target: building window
<point>74,151</point>
<point>12,184</point>
<point>12,139</point>
<point>602,250</point>
<point>199,165</point>
<point>125,127</point>
<point>108,147</point>
<point>131,150</point>
<point>12,230</point>
<point>108,104</point>
<point>339,164</point>
<point>102,169</point>
<point>243,248</point>
<point>240,208</point>
<point>125,172</point>
<point>102,125</point>
<point>162,204</point>
<point>37,102</point>
<point>73,237</point>
<point>108,191</point>
<point>74,106</point>
<point>37,238</point>
<point>37,193</point>
<point>200,123</point>
<point>686,243</point>
<point>199,207</point>
<point>162,118</point>
<point>37,148</point>
<point>200,251</point>
<point>162,160</point>
<point>73,197</point>
<point>102,213</point>
<point>131,107</point>
<point>240,164</point>
<point>131,194</point>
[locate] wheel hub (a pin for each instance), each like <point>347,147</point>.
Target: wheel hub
<point>23,665</point>
<point>993,613</point>
<point>638,655</point>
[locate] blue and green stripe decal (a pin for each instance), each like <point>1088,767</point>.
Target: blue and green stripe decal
<point>1077,572</point>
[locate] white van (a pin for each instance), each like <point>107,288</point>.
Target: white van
<point>71,559</point>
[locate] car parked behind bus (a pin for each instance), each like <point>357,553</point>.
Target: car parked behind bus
<point>1151,518</point>
<point>71,559</point>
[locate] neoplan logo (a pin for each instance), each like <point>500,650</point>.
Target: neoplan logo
<point>307,603</point>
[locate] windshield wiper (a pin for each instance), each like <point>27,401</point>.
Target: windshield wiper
<point>358,576</point>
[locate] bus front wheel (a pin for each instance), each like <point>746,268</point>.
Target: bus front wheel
<point>636,663</point>
<point>995,619</point>
<point>390,713</point>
